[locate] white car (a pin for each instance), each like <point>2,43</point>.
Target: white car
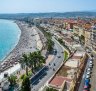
<point>88,73</point>
<point>88,69</point>
<point>87,76</point>
<point>90,61</point>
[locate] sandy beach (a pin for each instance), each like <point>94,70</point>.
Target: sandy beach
<point>27,43</point>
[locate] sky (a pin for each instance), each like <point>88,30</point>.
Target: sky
<point>41,6</point>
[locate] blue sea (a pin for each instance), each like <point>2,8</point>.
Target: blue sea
<point>9,37</point>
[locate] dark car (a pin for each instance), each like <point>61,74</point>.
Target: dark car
<point>59,56</point>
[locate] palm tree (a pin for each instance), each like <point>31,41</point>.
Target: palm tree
<point>41,58</point>
<point>50,45</point>
<point>26,84</point>
<point>12,80</point>
<point>31,61</point>
<point>35,60</point>
<point>25,61</point>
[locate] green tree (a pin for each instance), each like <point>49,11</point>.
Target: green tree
<point>50,45</point>
<point>36,60</point>
<point>60,41</point>
<point>31,61</point>
<point>65,55</point>
<point>25,61</point>
<point>26,84</point>
<point>12,80</point>
<point>40,59</point>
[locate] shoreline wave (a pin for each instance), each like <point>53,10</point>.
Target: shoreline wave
<point>16,43</point>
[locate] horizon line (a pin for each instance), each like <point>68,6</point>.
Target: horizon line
<point>46,12</point>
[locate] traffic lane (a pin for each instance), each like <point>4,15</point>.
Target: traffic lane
<point>58,62</point>
<point>56,59</point>
<point>59,53</point>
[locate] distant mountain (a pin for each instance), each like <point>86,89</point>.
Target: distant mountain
<point>48,15</point>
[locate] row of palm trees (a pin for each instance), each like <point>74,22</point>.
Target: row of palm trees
<point>32,60</point>
<point>48,35</point>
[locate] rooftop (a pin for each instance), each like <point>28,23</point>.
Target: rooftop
<point>58,81</point>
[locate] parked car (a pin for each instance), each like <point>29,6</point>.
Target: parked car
<point>53,69</point>
<point>59,56</point>
<point>62,52</point>
<point>89,69</point>
<point>54,64</point>
<point>90,66</point>
<point>87,76</point>
<point>88,73</point>
<point>90,61</point>
<point>86,85</point>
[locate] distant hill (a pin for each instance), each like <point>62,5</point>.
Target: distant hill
<point>48,15</point>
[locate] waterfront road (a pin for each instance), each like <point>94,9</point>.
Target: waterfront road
<point>47,74</point>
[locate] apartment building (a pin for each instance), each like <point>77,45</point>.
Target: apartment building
<point>93,38</point>
<point>88,35</point>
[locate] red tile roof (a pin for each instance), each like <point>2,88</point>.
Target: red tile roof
<point>58,81</point>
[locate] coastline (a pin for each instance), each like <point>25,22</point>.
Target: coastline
<point>21,45</point>
<point>27,43</point>
<point>12,49</point>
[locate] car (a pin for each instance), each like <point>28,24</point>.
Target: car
<point>62,52</point>
<point>86,89</point>
<point>90,66</point>
<point>89,69</point>
<point>54,64</point>
<point>59,56</point>
<point>88,73</point>
<point>87,81</point>
<point>32,35</point>
<point>55,51</point>
<point>90,61</point>
<point>87,76</point>
<point>86,85</point>
<point>53,69</point>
